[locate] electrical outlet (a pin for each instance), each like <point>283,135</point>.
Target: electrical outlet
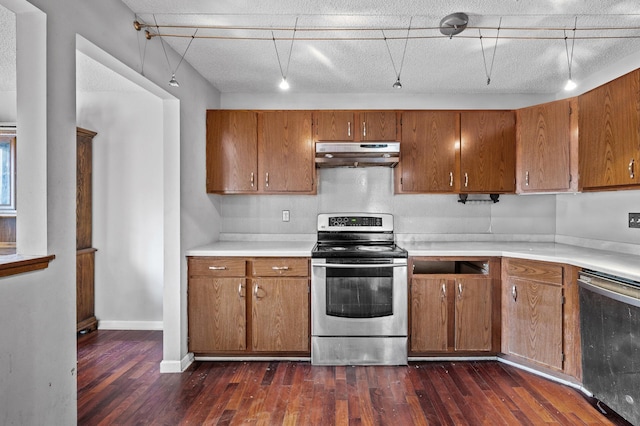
<point>285,215</point>
<point>634,220</point>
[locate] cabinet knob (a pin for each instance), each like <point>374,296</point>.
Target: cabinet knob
<point>632,163</point>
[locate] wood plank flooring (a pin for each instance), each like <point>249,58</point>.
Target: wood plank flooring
<point>119,384</point>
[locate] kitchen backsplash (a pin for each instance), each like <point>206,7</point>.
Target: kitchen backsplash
<point>428,217</point>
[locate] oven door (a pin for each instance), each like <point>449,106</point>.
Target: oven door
<point>359,297</point>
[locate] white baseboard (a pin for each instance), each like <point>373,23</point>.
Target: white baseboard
<point>176,366</point>
<point>129,325</point>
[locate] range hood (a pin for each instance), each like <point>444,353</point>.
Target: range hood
<point>357,154</point>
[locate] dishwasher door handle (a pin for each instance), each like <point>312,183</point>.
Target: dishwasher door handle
<point>611,294</point>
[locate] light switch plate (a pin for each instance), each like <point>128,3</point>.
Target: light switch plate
<point>634,220</point>
<point>285,215</point>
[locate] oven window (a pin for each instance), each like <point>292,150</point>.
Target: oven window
<point>359,292</point>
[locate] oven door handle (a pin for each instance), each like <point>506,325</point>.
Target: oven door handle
<point>359,265</point>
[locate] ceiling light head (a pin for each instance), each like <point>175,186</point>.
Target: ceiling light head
<point>570,85</point>
<point>173,82</point>
<point>454,24</point>
<point>397,84</point>
<point>284,84</point>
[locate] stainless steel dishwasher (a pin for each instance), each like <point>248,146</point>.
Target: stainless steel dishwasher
<point>610,331</point>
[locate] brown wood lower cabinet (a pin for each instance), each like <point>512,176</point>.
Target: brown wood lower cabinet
<point>241,306</point>
<point>280,316</point>
<point>217,314</point>
<point>454,305</point>
<point>540,321</point>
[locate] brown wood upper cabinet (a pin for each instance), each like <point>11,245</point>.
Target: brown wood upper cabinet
<point>609,139</point>
<point>428,151</point>
<point>247,152</point>
<point>357,126</point>
<point>287,155</point>
<point>487,152</point>
<point>547,147</point>
<point>335,125</point>
<point>232,151</point>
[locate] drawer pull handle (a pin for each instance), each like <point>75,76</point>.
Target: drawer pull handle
<point>267,179</point>
<point>218,268</point>
<point>252,179</point>
<point>460,289</point>
<point>349,128</point>
<point>444,290</point>
<point>450,178</point>
<point>632,173</point>
<point>240,292</point>
<point>466,180</point>
<point>526,178</point>
<point>514,293</point>
<point>364,129</point>
<point>280,268</point>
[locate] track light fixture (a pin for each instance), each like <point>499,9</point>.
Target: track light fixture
<point>570,83</point>
<point>284,84</point>
<point>397,84</point>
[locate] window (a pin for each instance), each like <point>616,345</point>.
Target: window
<point>7,171</point>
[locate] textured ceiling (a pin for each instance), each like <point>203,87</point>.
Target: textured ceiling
<point>433,63</point>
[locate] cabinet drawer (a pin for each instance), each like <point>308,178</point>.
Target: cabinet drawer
<point>217,266</point>
<point>536,271</point>
<point>281,267</point>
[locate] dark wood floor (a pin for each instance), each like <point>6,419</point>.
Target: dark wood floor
<point>119,384</point>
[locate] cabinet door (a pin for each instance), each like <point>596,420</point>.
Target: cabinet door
<point>535,321</point>
<point>428,150</point>
<point>378,126</point>
<point>287,162</point>
<point>487,151</point>
<point>609,123</point>
<point>544,140</point>
<point>232,151</point>
<point>217,314</point>
<point>473,314</point>
<point>335,125</point>
<point>429,314</point>
<point>280,315</point>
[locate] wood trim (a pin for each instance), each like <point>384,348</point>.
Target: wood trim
<point>17,264</point>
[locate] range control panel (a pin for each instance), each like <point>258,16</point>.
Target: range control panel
<point>358,222</point>
<point>355,221</point>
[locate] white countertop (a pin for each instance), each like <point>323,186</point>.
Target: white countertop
<point>620,264</point>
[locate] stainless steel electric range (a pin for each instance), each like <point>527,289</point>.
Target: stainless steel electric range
<point>358,292</point>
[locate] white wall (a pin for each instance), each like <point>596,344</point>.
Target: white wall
<point>424,217</point>
<point>599,219</point>
<point>127,206</point>
<point>37,310</point>
<point>8,113</point>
